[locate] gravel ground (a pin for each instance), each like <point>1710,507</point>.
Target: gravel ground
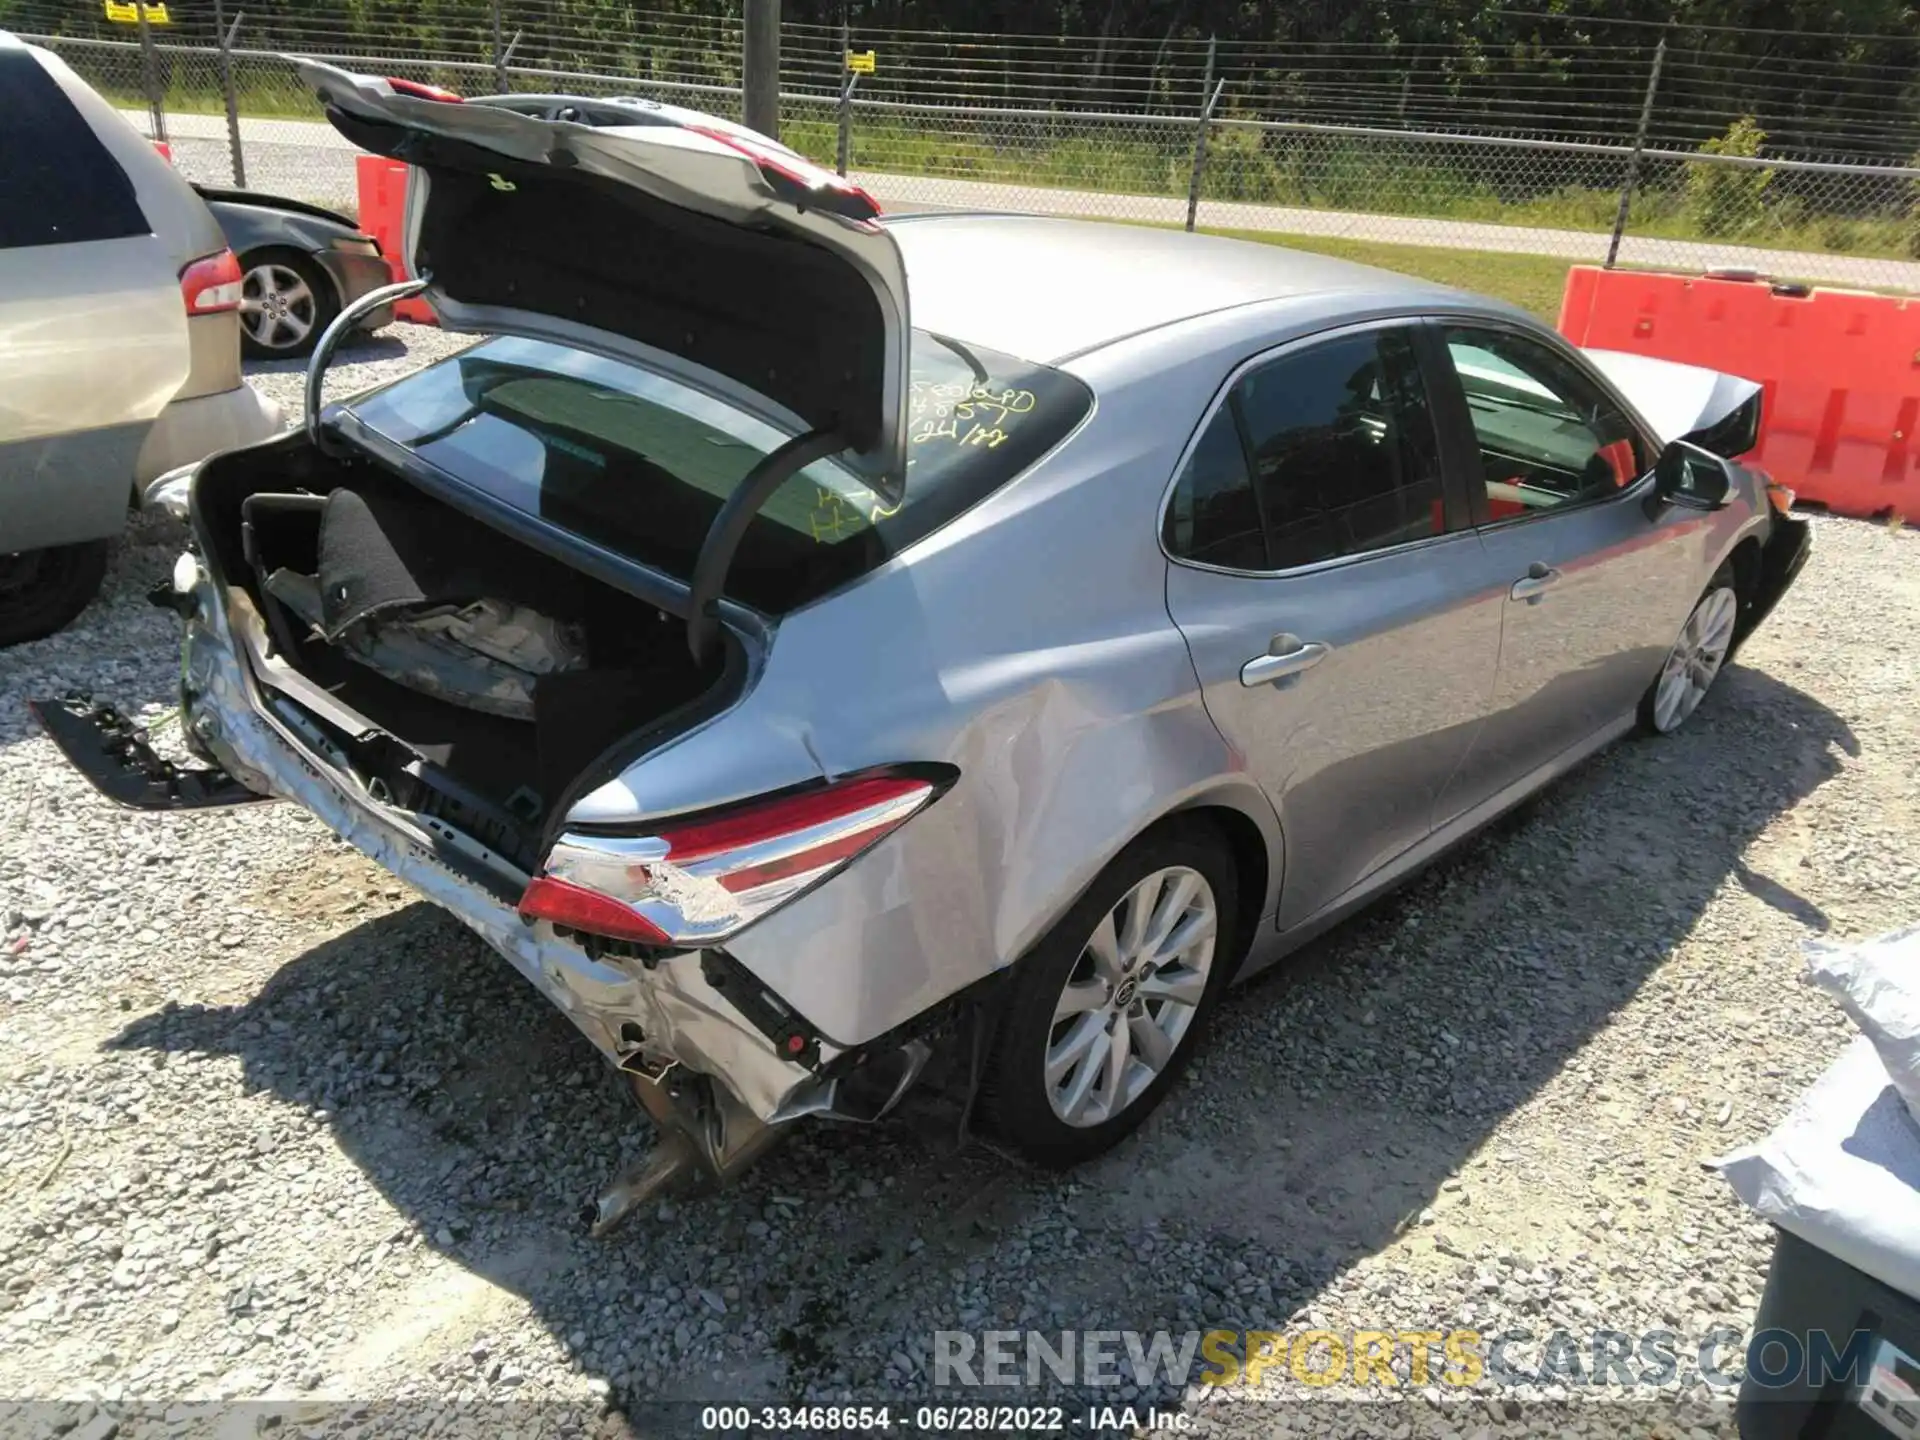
<point>273,1130</point>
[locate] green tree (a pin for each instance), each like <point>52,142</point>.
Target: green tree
<point>1729,199</point>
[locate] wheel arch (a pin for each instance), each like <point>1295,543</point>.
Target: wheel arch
<point>1745,562</point>
<point>1236,810</point>
<point>1258,851</point>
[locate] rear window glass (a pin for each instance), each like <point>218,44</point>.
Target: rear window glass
<point>641,463</point>
<point>58,183</point>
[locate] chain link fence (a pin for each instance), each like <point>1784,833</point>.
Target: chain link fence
<point>1185,149</point>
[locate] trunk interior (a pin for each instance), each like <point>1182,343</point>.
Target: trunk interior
<point>456,670</point>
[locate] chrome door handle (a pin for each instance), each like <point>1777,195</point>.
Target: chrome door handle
<point>1265,669</point>
<point>1535,583</point>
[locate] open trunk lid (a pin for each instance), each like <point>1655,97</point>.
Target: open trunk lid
<point>672,246</point>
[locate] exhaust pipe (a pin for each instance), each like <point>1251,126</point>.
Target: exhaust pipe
<point>706,1137</point>
<point>671,1167</point>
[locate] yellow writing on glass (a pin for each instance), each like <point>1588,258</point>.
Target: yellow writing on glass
<point>832,517</point>
<point>835,516</point>
<point>959,413</point>
<point>963,413</point>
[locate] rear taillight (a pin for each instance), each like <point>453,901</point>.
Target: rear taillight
<point>574,907</point>
<point>698,879</point>
<point>212,284</point>
<point>421,91</point>
<point>798,180</point>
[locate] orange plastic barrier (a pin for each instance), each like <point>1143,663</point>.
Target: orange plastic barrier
<point>1840,370</point>
<point>382,184</point>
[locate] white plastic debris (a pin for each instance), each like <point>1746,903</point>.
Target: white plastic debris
<point>1878,985</point>
<point>1842,1171</point>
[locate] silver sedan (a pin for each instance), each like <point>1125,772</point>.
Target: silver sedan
<point>834,651</point>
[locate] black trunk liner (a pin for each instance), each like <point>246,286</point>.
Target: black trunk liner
<point>380,551</point>
<point>492,754</point>
<point>263,511</point>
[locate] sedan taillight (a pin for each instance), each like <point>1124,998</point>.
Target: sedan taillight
<point>797,179</point>
<point>212,284</point>
<point>421,91</point>
<point>698,879</point>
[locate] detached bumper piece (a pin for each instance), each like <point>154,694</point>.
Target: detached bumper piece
<point>113,753</point>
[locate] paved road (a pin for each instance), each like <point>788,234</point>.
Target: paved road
<point>310,160</point>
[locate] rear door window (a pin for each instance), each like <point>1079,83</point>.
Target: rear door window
<point>641,463</point>
<point>58,184</point>
<point>1345,456</point>
<point>1213,517</point>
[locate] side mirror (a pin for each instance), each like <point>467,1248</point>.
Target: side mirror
<point>1692,478</point>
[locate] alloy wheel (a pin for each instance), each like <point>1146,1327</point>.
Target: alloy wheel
<point>276,306</point>
<point>1132,996</point>
<point>1695,659</point>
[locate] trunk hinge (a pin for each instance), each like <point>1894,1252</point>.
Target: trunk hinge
<point>348,317</point>
<point>730,525</point>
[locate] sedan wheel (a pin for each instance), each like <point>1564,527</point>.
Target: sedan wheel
<point>1101,1017</point>
<point>41,590</point>
<point>285,302</point>
<point>1132,996</point>
<point>1695,660</point>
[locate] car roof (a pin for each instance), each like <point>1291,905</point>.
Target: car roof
<point>1049,289</point>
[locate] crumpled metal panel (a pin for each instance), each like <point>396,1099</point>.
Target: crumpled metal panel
<point>682,1018</point>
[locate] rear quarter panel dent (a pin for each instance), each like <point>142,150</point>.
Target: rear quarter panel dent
<point>1028,644</point>
<point>1050,791</point>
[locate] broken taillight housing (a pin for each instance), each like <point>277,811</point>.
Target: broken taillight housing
<point>697,879</point>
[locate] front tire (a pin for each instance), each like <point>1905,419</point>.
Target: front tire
<point>286,303</point>
<point>1106,1011</point>
<point>42,590</point>
<point>1698,655</point>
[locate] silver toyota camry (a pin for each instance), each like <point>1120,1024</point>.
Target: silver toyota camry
<point>814,648</point>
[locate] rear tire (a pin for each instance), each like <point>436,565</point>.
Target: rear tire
<point>287,302</point>
<point>1698,655</point>
<point>42,590</point>
<point>1097,990</point>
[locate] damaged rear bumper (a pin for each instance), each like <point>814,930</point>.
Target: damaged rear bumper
<point>115,755</point>
<point>647,1018</point>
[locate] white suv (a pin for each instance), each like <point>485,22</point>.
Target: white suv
<point>119,336</point>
